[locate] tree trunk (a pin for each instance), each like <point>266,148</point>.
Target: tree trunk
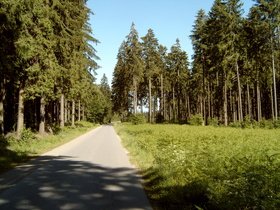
<point>73,113</point>
<point>62,110</point>
<point>173,104</point>
<point>2,99</point>
<point>150,100</point>
<point>272,103</point>
<point>259,103</point>
<point>274,86</point>
<point>240,111</point>
<point>83,113</point>
<point>161,95</point>
<point>79,110</point>
<point>42,117</point>
<point>225,105</point>
<point>249,101</point>
<point>135,100</point>
<point>20,118</point>
<point>188,107</point>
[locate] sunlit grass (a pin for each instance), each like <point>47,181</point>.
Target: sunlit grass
<point>186,167</point>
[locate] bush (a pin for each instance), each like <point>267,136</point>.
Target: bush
<point>27,134</point>
<point>247,122</point>
<point>213,121</point>
<point>196,119</point>
<point>138,119</point>
<point>266,124</point>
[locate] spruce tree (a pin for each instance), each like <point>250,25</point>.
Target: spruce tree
<point>178,75</point>
<point>151,60</point>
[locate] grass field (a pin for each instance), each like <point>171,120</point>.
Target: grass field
<point>192,167</point>
<point>14,152</point>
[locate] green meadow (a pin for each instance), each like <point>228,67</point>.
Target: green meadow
<point>195,167</point>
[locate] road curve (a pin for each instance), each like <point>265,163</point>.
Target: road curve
<point>90,172</point>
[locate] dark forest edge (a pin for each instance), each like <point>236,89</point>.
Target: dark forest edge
<point>47,67</point>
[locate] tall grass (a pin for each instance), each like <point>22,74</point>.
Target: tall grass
<point>17,151</point>
<point>194,167</point>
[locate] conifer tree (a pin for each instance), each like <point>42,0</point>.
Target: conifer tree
<point>121,82</point>
<point>199,71</point>
<point>151,60</point>
<point>269,13</point>
<point>178,75</point>
<point>134,63</point>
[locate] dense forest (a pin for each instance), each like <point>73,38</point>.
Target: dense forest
<point>47,66</point>
<point>233,75</point>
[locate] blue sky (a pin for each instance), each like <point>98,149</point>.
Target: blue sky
<point>169,19</point>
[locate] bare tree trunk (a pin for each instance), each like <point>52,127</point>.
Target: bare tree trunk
<point>249,101</point>
<point>73,113</point>
<point>20,118</point>
<point>272,101</point>
<point>259,102</point>
<point>274,86</point>
<point>135,100</point>
<point>83,113</point>
<point>161,95</point>
<point>173,103</point>
<point>42,116</point>
<point>66,110</point>
<point>2,99</point>
<point>225,105</point>
<point>79,110</point>
<point>209,101</point>
<point>188,106</point>
<point>240,111</point>
<point>61,116</point>
<point>150,100</point>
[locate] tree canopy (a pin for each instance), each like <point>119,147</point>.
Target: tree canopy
<point>233,77</point>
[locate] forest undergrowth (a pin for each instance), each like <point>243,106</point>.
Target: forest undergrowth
<point>195,167</point>
<point>14,151</point>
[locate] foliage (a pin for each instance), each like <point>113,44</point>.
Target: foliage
<point>46,55</point>
<point>234,70</point>
<point>213,121</point>
<point>27,134</point>
<point>208,167</point>
<point>196,120</point>
<point>138,119</point>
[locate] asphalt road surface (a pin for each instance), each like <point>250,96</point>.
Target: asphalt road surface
<point>90,172</point>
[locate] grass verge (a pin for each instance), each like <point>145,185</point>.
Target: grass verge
<point>14,152</point>
<point>195,167</point>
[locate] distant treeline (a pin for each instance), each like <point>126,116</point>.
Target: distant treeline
<point>234,74</point>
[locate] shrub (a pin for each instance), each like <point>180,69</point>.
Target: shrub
<point>196,119</point>
<point>247,122</point>
<point>266,124</point>
<point>138,119</point>
<point>213,121</point>
<point>27,134</point>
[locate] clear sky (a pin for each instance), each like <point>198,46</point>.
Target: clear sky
<point>169,19</point>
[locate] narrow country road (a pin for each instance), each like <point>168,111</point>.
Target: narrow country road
<point>90,172</point>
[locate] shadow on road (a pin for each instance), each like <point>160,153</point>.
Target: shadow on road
<point>65,183</point>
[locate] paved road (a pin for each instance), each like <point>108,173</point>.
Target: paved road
<point>90,172</point>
